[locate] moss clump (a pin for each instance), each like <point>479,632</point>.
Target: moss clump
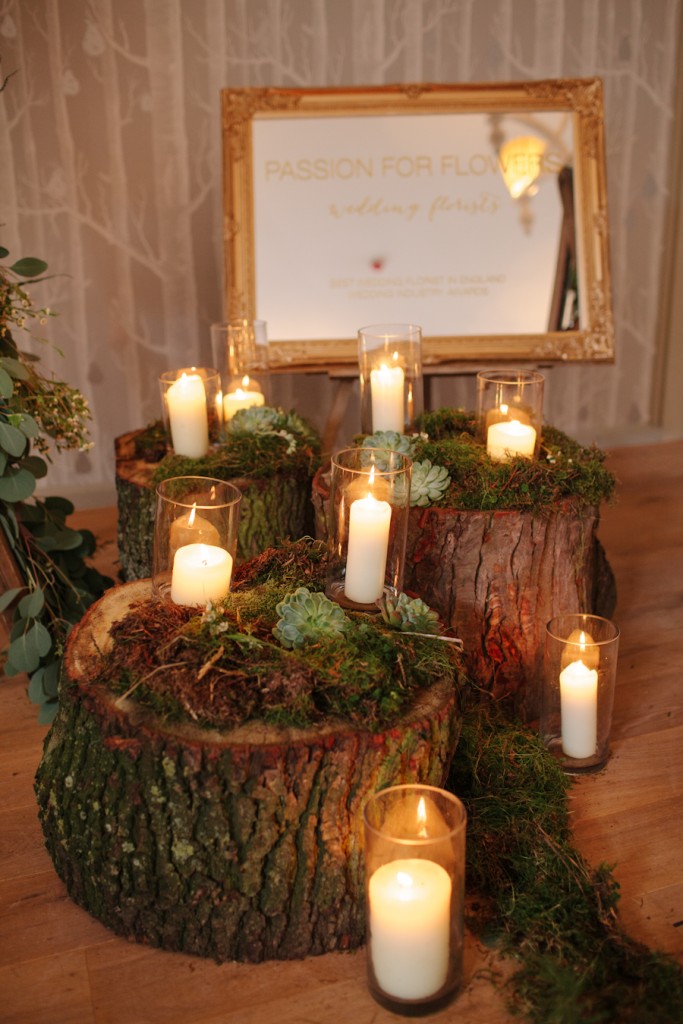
<point>286,444</point>
<point>564,470</point>
<point>225,667</point>
<point>539,899</point>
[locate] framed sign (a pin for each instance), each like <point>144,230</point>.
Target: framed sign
<point>477,212</point>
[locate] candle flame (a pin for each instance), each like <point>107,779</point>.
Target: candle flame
<point>504,409</point>
<point>395,357</point>
<point>245,382</point>
<point>193,513</point>
<point>422,818</point>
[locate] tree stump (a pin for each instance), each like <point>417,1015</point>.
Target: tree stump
<point>243,844</point>
<point>496,578</point>
<point>273,509</point>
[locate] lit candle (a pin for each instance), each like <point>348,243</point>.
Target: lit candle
<point>510,438</point>
<point>386,392</point>
<point>190,528</point>
<point>201,573</point>
<point>409,927</point>
<point>366,559</point>
<point>579,709</point>
<point>188,417</point>
<point>243,397</point>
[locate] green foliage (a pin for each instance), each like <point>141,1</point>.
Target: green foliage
<point>539,899</point>
<point>224,667</point>
<point>428,483</point>
<point>256,446</point>
<point>411,615</point>
<point>565,470</point>
<point>306,617</point>
<point>58,584</point>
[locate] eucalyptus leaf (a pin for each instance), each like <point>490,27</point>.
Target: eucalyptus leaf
<point>36,692</point>
<point>51,678</point>
<point>67,539</point>
<point>31,514</point>
<point>41,637</point>
<point>61,505</point>
<point>29,266</point>
<point>3,462</point>
<point>9,669</point>
<point>4,253</point>
<point>32,605</point>
<point>28,426</point>
<point>6,384</point>
<point>16,485</point>
<point>14,367</point>
<point>8,521</point>
<point>12,440</point>
<point>35,465</point>
<point>9,595</point>
<point>48,712</point>
<point>23,652</point>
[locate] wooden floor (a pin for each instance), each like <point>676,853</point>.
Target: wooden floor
<point>58,965</point>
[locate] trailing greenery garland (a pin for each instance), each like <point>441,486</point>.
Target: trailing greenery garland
<point>537,897</point>
<point>57,584</point>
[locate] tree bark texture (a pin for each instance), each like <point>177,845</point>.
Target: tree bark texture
<point>496,578</point>
<point>273,509</point>
<point>243,844</point>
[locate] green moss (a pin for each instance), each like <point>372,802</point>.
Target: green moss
<point>564,470</point>
<point>538,898</point>
<point>293,449</point>
<point>224,666</point>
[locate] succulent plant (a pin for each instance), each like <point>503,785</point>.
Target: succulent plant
<point>410,615</point>
<point>429,483</point>
<point>256,420</point>
<point>307,616</point>
<point>390,439</point>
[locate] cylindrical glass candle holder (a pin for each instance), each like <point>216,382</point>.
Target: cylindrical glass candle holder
<point>195,539</point>
<point>510,412</point>
<point>240,348</point>
<point>368,525</point>
<point>414,896</point>
<point>390,368</point>
<point>192,408</point>
<point>580,669</point>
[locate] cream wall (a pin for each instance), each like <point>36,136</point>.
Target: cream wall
<point>110,169</point>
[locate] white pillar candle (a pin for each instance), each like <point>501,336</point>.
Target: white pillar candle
<point>201,573</point>
<point>188,417</point>
<point>579,709</point>
<point>366,558</point>
<point>386,393</point>
<point>510,438</point>
<point>243,397</point>
<point>189,528</point>
<point>409,927</point>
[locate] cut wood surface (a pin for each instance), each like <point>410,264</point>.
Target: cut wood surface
<point>57,964</point>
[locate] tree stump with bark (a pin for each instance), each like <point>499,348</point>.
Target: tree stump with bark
<point>238,844</point>
<point>273,509</point>
<point>496,578</point>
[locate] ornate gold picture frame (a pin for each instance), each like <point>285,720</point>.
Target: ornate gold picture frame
<point>344,207</point>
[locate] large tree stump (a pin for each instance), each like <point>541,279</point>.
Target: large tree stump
<point>496,578</point>
<point>243,844</point>
<point>273,509</point>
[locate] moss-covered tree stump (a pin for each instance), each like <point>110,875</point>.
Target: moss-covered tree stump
<point>496,578</point>
<point>233,844</point>
<point>273,508</point>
